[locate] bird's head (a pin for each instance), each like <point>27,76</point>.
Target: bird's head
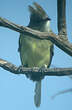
<point>38,15</point>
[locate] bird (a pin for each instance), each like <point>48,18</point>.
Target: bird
<point>36,52</point>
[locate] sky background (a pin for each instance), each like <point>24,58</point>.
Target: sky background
<point>16,91</point>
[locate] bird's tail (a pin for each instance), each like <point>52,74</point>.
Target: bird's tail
<point>37,96</point>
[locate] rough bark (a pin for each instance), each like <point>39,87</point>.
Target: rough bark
<point>56,39</point>
<point>32,72</point>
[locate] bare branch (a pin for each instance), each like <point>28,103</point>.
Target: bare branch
<point>61,92</point>
<point>34,72</point>
<point>58,41</point>
<point>61,18</point>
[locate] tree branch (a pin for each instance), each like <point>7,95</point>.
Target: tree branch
<point>34,72</point>
<point>61,92</point>
<point>58,41</point>
<point>61,17</point>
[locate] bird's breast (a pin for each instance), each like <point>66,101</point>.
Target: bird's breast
<point>35,52</point>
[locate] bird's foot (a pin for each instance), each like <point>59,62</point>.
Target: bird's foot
<point>20,68</point>
<point>42,70</point>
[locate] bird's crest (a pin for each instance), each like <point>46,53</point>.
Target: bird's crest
<point>37,12</point>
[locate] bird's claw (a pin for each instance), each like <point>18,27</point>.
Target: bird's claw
<point>42,70</point>
<point>20,68</point>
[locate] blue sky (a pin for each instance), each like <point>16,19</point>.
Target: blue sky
<point>16,91</point>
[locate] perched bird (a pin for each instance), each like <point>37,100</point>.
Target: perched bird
<point>36,52</point>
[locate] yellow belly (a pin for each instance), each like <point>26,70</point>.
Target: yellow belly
<point>35,52</point>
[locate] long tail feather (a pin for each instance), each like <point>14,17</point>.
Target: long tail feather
<point>37,97</point>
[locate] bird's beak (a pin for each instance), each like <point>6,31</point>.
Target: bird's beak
<point>47,19</point>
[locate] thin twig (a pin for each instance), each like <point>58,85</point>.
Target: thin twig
<point>61,92</point>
